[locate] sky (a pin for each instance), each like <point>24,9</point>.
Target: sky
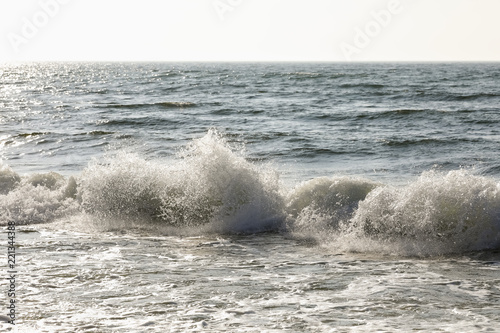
<point>249,30</point>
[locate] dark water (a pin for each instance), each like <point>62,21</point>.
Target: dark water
<point>253,197</point>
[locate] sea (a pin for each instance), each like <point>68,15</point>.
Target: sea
<point>250,197</point>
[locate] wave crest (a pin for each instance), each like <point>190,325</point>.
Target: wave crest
<point>209,184</point>
<point>454,212</point>
<point>439,213</point>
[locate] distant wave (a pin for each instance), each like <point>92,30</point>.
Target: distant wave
<point>314,75</point>
<point>97,133</point>
<point>362,85</point>
<point>94,133</point>
<point>407,111</point>
<point>24,135</point>
<point>213,188</point>
<point>297,75</point>
<point>136,121</point>
<point>426,141</point>
<point>30,136</point>
<point>400,114</point>
<point>158,104</point>
<point>444,95</point>
<point>470,97</point>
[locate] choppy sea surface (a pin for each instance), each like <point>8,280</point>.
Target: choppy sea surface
<point>251,197</point>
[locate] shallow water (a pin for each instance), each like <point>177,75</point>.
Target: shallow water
<point>136,282</point>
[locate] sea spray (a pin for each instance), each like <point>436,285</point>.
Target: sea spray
<point>208,184</point>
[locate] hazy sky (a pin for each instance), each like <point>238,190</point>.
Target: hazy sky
<point>250,30</point>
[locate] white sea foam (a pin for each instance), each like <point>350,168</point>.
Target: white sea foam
<point>35,199</point>
<point>209,184</point>
<point>440,212</point>
<point>436,214</point>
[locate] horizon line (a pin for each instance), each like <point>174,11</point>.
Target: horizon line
<point>251,61</point>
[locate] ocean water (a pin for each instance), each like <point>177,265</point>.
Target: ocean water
<point>263,197</point>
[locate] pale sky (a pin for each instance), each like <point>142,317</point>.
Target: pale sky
<point>250,30</point>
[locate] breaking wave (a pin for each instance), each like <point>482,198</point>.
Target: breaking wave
<point>212,187</point>
<point>439,213</point>
<point>37,198</point>
<point>210,184</point>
